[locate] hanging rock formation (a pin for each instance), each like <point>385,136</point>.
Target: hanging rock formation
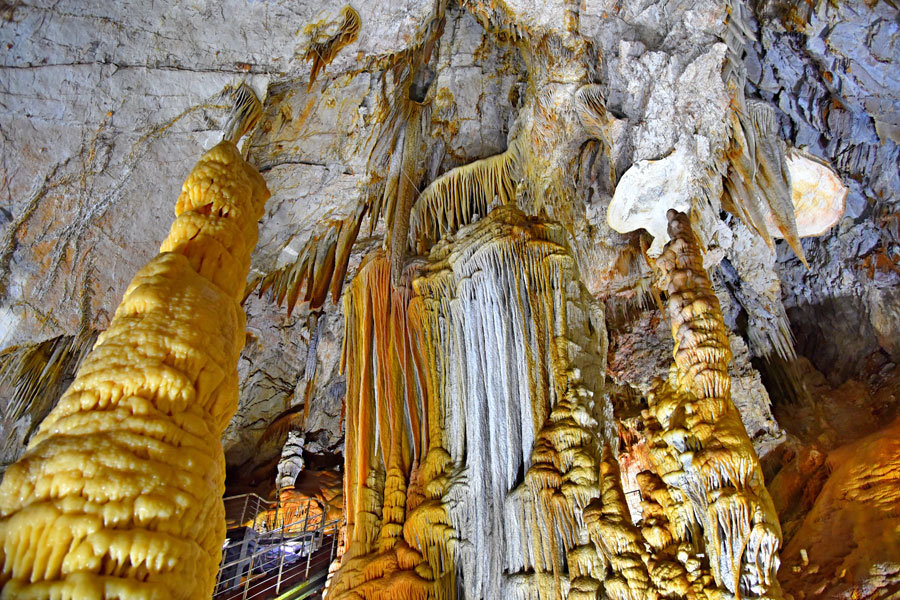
<point>495,348</point>
<point>492,349</point>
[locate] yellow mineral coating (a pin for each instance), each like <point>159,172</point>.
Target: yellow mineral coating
<point>852,533</point>
<point>609,523</point>
<point>564,478</point>
<point>321,53</point>
<point>702,351</point>
<point>406,530</point>
<point>119,493</point>
<point>698,441</point>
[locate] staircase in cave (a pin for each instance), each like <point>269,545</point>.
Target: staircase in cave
<point>270,553</point>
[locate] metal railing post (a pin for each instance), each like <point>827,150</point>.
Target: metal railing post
<point>249,575</point>
<point>219,575</point>
<point>281,561</point>
<point>244,510</point>
<point>333,540</point>
<point>306,518</point>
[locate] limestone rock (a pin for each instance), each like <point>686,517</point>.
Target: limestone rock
<point>105,107</point>
<point>818,195</point>
<point>648,190</point>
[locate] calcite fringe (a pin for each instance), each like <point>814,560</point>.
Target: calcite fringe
<point>758,182</point>
<point>463,194</point>
<point>322,52</point>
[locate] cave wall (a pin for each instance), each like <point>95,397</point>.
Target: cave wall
<point>105,107</point>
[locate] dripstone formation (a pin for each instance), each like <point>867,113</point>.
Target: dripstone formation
<point>540,299</point>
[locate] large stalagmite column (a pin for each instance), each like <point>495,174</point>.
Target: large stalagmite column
<point>119,493</point>
<point>698,441</point>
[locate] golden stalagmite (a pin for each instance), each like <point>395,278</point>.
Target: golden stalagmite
<point>119,493</point>
<point>697,438</point>
<point>618,540</point>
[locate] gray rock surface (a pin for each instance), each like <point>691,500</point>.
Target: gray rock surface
<point>835,81</point>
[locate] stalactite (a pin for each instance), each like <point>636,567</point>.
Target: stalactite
<point>630,283</point>
<point>398,225</point>
<point>349,233</point>
<point>35,374</point>
<point>119,492</point>
<point>320,266</point>
<point>591,109</point>
<point>758,184</point>
<point>481,394</point>
<point>698,440</point>
<point>393,164</point>
<point>322,53</point>
<point>383,437</point>
<point>459,196</point>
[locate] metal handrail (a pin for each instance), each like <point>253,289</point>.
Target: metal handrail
<point>329,528</point>
<point>280,542</point>
<point>250,506</point>
<point>319,570</point>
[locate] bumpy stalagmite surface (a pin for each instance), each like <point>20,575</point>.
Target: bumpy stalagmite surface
<point>701,447</point>
<point>119,493</point>
<point>384,420</point>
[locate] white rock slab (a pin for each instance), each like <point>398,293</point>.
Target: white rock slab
<point>818,195</point>
<point>647,191</point>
